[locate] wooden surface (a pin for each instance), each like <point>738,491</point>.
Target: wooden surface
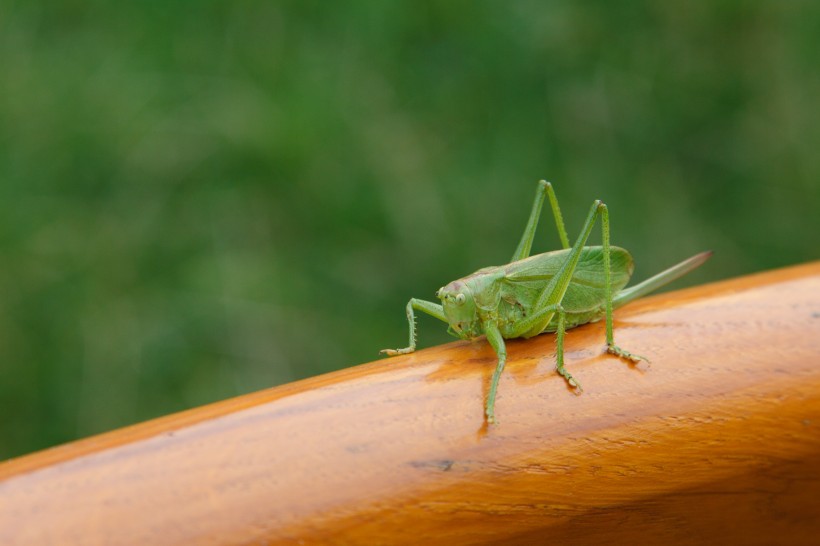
<point>717,442</point>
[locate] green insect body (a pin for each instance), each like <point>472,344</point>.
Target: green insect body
<point>549,292</point>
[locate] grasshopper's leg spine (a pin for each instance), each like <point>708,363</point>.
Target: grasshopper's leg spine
<point>432,309</point>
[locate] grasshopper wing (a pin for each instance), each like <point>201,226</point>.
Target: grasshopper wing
<point>587,289</point>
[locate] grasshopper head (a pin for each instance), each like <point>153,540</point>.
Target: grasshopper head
<point>460,309</point>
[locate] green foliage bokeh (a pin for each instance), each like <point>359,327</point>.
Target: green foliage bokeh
<point>199,200</point>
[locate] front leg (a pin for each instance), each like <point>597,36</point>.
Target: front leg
<point>497,342</point>
<point>428,307</point>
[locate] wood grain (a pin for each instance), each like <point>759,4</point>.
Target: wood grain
<point>717,442</point>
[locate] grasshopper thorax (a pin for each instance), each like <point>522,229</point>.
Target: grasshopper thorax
<point>460,309</point>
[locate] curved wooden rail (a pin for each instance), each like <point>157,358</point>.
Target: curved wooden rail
<point>717,442</point>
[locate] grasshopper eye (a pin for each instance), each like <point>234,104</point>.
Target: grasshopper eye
<point>438,293</point>
<point>460,299</point>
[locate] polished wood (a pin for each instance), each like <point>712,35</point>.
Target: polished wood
<point>717,442</point>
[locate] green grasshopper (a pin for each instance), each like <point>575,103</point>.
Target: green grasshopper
<point>549,292</point>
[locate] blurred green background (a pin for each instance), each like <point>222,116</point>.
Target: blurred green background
<point>199,200</point>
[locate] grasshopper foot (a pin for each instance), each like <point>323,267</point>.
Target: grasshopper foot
<point>490,414</point>
<point>617,351</point>
<point>571,381</point>
<point>394,352</point>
